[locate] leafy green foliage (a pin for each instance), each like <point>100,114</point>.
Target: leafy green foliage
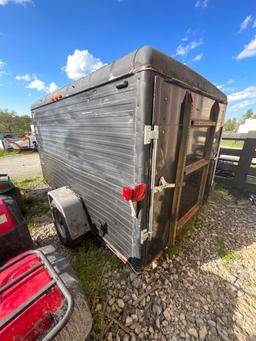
<point>231,125</point>
<point>12,123</point>
<point>249,114</point>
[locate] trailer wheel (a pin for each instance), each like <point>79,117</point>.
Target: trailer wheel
<point>62,229</point>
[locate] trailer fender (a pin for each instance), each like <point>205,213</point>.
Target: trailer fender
<point>72,209</point>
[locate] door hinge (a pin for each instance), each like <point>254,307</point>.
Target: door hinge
<point>150,134</point>
<point>163,184</point>
<point>144,236</point>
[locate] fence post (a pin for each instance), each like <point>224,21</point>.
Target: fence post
<point>244,162</point>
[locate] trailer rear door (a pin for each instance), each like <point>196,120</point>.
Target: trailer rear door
<point>186,124</point>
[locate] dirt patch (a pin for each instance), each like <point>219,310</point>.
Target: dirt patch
<point>21,166</point>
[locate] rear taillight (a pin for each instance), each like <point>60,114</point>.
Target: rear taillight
<point>139,192</point>
<point>134,194</point>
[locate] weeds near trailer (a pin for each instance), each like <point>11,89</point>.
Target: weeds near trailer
<point>36,209</point>
<point>185,233</point>
<point>34,194</point>
<point>90,264</point>
<point>228,256</point>
<point>171,250</point>
<point>26,184</point>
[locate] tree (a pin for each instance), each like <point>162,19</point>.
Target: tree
<point>249,114</point>
<point>10,122</point>
<point>231,125</point>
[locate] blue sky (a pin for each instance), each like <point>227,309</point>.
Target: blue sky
<point>46,44</point>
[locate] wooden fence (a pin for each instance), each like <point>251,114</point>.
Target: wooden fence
<point>236,165</point>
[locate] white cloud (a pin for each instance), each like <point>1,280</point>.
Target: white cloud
<point>25,77</point>
<point>198,57</point>
<point>201,3</point>
<point>184,39</point>
<point>81,63</point>
<point>184,50</point>
<point>242,105</point>
<point>222,87</point>
<point>254,24</point>
<point>18,2</point>
<point>249,92</point>
<point>228,89</point>
<point>244,24</point>
<point>52,87</point>
<point>2,67</point>
<point>231,81</point>
<point>249,50</point>
<point>39,85</point>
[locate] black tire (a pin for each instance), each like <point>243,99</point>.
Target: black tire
<point>62,229</point>
<point>80,323</point>
<point>16,195</point>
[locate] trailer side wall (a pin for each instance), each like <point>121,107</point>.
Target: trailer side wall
<point>87,142</point>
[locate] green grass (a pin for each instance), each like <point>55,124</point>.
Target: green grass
<point>26,184</point>
<point>4,152</point>
<point>37,207</point>
<point>90,263</point>
<point>228,256</point>
<point>231,144</point>
<point>172,250</point>
<point>36,201</point>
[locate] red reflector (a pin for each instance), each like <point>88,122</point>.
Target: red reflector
<point>124,260</point>
<point>4,186</point>
<point>127,193</point>
<point>139,192</point>
<point>135,194</point>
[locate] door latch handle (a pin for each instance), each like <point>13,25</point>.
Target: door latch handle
<point>163,184</point>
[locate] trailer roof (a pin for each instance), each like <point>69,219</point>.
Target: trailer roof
<point>144,58</point>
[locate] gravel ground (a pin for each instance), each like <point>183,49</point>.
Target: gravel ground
<point>193,295</point>
<point>21,166</point>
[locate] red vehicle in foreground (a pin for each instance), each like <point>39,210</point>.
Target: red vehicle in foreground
<point>40,297</point>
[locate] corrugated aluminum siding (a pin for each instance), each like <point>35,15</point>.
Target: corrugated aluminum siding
<point>87,142</point>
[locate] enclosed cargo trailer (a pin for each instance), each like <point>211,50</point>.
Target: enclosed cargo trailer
<point>130,151</point>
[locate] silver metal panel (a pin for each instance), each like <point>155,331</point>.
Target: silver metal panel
<point>87,142</point>
<point>142,59</point>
